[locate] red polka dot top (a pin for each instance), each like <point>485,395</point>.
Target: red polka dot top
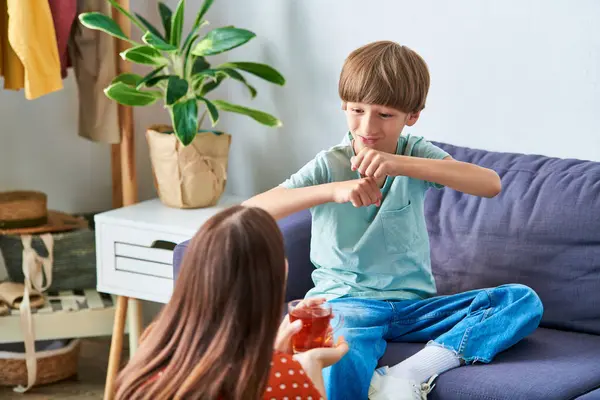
<point>287,380</point>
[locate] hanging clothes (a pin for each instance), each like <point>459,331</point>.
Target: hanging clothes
<point>64,13</point>
<point>93,57</point>
<point>31,36</point>
<point>11,67</point>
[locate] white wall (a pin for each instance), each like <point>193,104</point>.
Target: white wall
<point>511,76</point>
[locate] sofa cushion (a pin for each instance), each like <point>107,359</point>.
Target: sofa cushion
<point>541,231</point>
<point>549,364</point>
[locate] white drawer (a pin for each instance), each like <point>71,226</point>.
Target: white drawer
<point>135,262</point>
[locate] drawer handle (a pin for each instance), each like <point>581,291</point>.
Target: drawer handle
<point>163,244</point>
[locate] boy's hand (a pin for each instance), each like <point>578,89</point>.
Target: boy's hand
<point>360,192</point>
<point>375,164</point>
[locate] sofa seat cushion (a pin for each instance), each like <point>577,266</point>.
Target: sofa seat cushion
<point>549,364</point>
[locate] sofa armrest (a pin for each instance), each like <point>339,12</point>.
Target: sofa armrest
<point>296,231</point>
<point>296,235</point>
<point>178,257</point>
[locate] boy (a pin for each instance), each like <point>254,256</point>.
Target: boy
<point>369,238</point>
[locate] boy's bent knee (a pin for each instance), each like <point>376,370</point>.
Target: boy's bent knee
<point>525,295</point>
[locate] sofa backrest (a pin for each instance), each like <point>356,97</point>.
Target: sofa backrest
<point>543,231</point>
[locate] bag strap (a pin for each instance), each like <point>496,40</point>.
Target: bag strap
<point>35,267</point>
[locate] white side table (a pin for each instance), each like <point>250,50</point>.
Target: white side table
<point>134,248</point>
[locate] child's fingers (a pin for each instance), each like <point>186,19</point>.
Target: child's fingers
<point>364,198</point>
<point>371,168</point>
<point>342,345</point>
<point>357,159</point>
<point>284,336</point>
<point>311,301</point>
<point>374,192</point>
<point>380,173</point>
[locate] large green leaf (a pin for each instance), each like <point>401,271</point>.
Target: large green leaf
<point>130,96</point>
<point>128,79</point>
<point>177,24</point>
<point>158,43</point>
<point>176,89</point>
<point>232,73</point>
<point>212,110</point>
<point>149,26</point>
<point>165,15</point>
<point>144,81</point>
<point>259,116</point>
<point>144,54</point>
<point>220,40</point>
<point>185,120</point>
<point>101,22</point>
<point>261,70</point>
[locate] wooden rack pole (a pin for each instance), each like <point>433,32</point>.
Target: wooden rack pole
<point>125,192</point>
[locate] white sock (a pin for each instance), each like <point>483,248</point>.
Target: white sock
<point>430,361</point>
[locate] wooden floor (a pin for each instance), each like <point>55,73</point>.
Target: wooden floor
<point>87,385</point>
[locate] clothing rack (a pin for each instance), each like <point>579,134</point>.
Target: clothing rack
<point>124,193</point>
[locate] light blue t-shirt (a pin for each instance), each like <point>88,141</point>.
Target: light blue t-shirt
<point>370,252</point>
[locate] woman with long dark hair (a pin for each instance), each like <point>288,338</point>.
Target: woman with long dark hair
<point>218,337</point>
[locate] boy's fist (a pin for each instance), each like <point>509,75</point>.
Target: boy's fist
<point>359,192</point>
<point>374,163</point>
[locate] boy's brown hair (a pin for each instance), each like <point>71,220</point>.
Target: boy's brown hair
<point>385,73</point>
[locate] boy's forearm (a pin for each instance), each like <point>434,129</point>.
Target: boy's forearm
<point>461,176</point>
<point>281,202</point>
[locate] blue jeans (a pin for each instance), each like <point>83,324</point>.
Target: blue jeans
<point>477,325</point>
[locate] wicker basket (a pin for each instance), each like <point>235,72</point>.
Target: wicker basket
<point>52,365</point>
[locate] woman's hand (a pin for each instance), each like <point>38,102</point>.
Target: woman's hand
<point>283,341</point>
<point>323,357</point>
<point>287,329</point>
<point>314,360</point>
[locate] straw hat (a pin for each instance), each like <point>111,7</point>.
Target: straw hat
<point>26,212</point>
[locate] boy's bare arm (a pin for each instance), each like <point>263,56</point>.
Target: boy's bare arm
<point>281,202</point>
<point>458,175</point>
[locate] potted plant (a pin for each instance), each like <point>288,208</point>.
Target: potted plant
<point>189,163</point>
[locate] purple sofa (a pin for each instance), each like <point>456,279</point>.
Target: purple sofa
<point>543,231</point>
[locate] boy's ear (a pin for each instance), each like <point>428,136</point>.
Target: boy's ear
<point>344,105</point>
<point>412,118</point>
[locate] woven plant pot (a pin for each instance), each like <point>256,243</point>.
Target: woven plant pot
<point>52,365</point>
<point>192,176</point>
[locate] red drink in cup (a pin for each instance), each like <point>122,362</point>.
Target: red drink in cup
<point>316,329</point>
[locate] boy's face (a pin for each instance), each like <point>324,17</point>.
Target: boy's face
<point>377,127</point>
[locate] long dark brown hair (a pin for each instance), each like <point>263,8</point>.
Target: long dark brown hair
<point>214,339</point>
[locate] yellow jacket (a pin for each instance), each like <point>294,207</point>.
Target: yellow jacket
<point>28,52</point>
